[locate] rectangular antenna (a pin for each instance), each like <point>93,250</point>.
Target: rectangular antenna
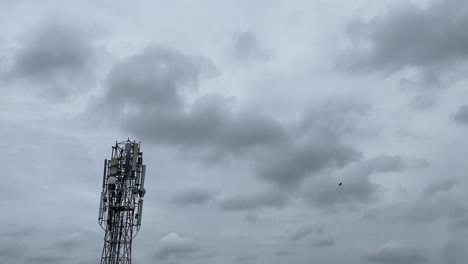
<point>104,174</point>
<point>100,206</point>
<point>142,183</point>
<point>140,211</point>
<point>135,156</point>
<point>137,179</point>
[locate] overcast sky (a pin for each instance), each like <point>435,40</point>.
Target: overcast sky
<point>250,114</point>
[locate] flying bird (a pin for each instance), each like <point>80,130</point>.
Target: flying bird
<point>340,184</point>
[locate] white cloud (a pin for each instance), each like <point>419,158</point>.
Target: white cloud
<point>174,245</point>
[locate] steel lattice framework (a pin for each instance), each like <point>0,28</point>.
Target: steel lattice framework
<point>121,205</point>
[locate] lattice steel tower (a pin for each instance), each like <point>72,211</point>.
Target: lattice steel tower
<point>121,204</point>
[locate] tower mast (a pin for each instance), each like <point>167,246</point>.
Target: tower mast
<point>121,203</point>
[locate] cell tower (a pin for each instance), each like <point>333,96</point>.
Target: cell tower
<point>121,205</point>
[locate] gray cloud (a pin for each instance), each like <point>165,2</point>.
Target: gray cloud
<point>266,126</point>
<point>307,230</point>
<point>70,242</point>
<point>57,57</point>
<point>211,128</point>
<point>394,253</point>
<point>440,187</point>
<point>431,38</point>
<point>10,249</point>
<point>157,111</point>
<point>454,251</point>
<point>20,245</point>
<point>458,217</point>
<point>47,258</point>
<point>323,243</point>
<point>395,163</point>
<point>282,253</point>
<point>461,116</point>
<point>155,78</point>
<point>155,108</point>
<point>335,116</point>
<point>294,163</point>
<point>436,201</point>
<point>245,47</point>
<point>315,144</point>
<point>13,243</point>
<point>174,245</point>
<point>422,102</point>
<point>357,187</point>
<point>421,210</point>
<point>193,196</point>
<point>269,198</point>
<point>19,233</point>
<point>245,258</point>
<point>252,217</point>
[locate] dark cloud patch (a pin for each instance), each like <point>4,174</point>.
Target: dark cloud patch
<point>245,259</point>
<point>282,253</point>
<point>454,251</point>
<point>70,242</point>
<point>13,243</point>
<point>210,127</point>
<point>395,163</point>
<point>307,230</point>
<point>459,223</point>
<point>457,211</point>
<point>144,94</point>
<point>461,116</point>
<point>394,253</point>
<point>47,258</point>
<point>335,116</point>
<point>195,256</point>
<point>315,144</point>
<point>419,211</point>
<point>270,198</point>
<point>19,233</point>
<point>296,162</point>
<point>252,217</point>
<point>431,39</point>
<point>422,102</point>
<point>436,201</point>
<point>56,57</point>
<point>193,196</point>
<point>155,85</point>
<point>440,187</point>
<point>458,217</point>
<point>154,79</point>
<point>324,191</point>
<point>162,106</point>
<point>246,47</point>
<point>175,246</point>
<point>323,243</point>
<point>11,249</point>
<point>356,188</point>
<point>19,246</point>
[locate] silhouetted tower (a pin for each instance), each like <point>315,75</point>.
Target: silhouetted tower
<point>121,205</point>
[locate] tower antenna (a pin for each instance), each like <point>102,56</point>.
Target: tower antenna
<point>121,203</point>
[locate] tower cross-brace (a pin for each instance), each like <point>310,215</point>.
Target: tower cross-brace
<point>121,202</point>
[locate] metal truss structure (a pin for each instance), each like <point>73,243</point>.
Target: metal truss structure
<point>121,204</point>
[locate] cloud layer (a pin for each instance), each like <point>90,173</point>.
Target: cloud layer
<point>407,35</point>
<point>247,129</point>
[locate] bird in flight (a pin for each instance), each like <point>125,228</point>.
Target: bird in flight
<point>340,184</point>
